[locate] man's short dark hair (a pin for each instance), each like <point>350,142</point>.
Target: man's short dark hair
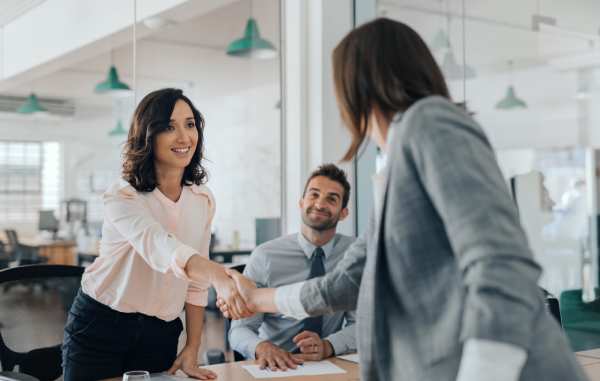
<point>333,173</point>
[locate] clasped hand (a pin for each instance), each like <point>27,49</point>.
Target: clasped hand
<point>235,295</point>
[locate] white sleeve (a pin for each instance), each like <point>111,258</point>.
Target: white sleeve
<point>287,300</point>
<point>487,360</point>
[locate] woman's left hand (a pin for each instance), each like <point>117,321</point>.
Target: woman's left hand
<point>187,361</point>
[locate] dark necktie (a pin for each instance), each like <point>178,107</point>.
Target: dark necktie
<point>317,269</point>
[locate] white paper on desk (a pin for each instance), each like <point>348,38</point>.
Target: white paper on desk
<point>309,368</point>
<point>351,357</point>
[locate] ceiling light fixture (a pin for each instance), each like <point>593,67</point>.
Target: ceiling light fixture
<point>31,106</point>
<point>252,45</point>
<point>118,130</point>
<point>510,100</point>
<point>113,85</point>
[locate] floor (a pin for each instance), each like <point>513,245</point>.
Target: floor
<point>33,316</point>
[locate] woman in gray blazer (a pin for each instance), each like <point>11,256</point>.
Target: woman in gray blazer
<point>444,282</point>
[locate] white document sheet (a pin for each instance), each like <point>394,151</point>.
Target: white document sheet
<point>351,357</point>
<point>310,368</point>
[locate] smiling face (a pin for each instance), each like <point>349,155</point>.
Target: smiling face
<point>175,146</point>
<point>321,204</point>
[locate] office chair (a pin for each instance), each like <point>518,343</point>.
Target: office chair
<point>5,258</point>
<point>552,305</point>
<point>217,356</point>
<point>237,356</point>
<point>63,281</point>
<point>581,321</point>
<point>23,254</point>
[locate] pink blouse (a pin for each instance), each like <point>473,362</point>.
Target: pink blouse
<point>147,240</point>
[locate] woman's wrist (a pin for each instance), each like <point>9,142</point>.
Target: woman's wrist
<point>200,268</point>
<point>192,346</point>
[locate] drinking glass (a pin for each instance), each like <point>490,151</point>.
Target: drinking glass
<point>136,375</point>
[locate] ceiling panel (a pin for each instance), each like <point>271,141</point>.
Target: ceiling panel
<point>11,9</point>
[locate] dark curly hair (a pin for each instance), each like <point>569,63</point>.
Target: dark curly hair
<point>152,117</point>
<point>333,173</point>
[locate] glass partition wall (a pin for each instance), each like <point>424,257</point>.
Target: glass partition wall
<point>529,71</point>
<point>225,57</point>
<point>67,93</point>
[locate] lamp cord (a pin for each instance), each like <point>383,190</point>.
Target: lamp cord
<point>464,53</point>
<point>134,52</point>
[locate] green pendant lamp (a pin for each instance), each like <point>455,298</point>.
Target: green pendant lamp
<point>118,130</point>
<point>440,41</point>
<point>453,70</point>
<point>112,85</point>
<point>252,45</point>
<point>31,106</point>
<point>510,100</point>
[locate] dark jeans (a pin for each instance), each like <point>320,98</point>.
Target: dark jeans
<point>100,342</point>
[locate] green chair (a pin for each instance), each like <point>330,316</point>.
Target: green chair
<point>581,321</point>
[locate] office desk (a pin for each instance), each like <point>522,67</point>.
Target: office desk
<point>234,372</point>
<point>226,256</point>
<point>57,252</point>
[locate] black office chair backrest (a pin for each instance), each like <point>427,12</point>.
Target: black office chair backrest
<point>236,355</point>
<point>5,256</point>
<point>33,318</point>
<point>552,305</point>
<point>12,238</point>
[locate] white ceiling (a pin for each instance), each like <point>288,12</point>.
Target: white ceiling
<point>191,47</point>
<point>186,52</point>
<point>11,9</point>
<point>498,31</point>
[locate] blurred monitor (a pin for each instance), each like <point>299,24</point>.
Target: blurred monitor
<point>47,221</point>
<point>267,229</point>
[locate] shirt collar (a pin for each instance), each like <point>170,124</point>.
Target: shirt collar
<point>308,247</point>
<point>381,160</point>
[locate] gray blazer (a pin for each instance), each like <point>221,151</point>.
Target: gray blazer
<point>446,260</point>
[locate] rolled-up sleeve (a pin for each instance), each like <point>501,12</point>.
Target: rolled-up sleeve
<point>131,217</point>
<point>468,191</point>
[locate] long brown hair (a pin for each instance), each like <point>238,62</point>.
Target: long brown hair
<point>383,64</point>
<point>151,117</point>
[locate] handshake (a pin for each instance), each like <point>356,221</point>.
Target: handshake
<point>237,296</point>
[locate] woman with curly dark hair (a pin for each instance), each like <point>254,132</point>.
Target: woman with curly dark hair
<point>153,260</point>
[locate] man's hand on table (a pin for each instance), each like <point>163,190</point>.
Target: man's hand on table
<point>271,356</point>
<point>312,347</point>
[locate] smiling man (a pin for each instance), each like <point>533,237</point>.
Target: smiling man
<point>274,340</point>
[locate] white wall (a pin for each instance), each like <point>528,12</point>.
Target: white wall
<point>243,159</point>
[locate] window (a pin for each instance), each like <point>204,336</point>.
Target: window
<point>30,180</point>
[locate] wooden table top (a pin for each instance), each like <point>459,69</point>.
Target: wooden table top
<point>39,242</point>
<point>590,361</point>
<point>233,371</point>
